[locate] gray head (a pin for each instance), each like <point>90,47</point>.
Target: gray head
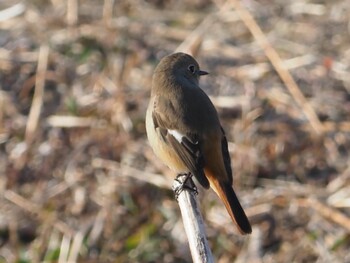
<point>179,67</point>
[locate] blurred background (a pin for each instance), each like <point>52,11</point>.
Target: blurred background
<point>78,180</point>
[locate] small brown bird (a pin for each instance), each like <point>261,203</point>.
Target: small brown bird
<point>184,131</point>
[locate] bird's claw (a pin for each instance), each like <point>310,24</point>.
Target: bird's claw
<point>184,184</point>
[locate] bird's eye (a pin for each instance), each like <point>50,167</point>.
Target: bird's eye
<point>192,69</point>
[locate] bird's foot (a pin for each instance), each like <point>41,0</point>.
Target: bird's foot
<point>184,182</point>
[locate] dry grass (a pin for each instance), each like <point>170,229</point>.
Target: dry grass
<point>79,181</point>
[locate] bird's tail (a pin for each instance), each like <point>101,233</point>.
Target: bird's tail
<point>226,193</point>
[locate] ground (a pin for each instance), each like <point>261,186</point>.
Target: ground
<point>79,181</point>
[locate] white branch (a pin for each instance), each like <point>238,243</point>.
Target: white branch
<point>193,221</point>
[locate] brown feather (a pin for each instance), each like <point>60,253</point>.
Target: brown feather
<point>226,193</point>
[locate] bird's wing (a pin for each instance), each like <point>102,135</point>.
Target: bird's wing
<point>226,156</point>
<point>187,146</point>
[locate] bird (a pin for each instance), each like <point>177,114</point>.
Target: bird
<point>184,131</point>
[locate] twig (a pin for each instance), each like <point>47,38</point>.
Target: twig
<point>254,249</point>
<point>192,43</point>
<point>337,126</point>
<point>108,12</point>
<point>34,208</point>
<point>97,227</point>
<point>193,221</point>
<point>330,213</point>
<point>194,40</point>
<point>279,66</point>
<point>70,121</point>
<point>128,171</point>
<point>37,102</point>
<point>77,244</point>
<point>72,12</point>
<point>340,181</point>
<point>12,12</point>
<point>229,101</point>
<point>64,248</point>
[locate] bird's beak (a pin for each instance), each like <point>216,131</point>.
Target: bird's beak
<point>201,73</point>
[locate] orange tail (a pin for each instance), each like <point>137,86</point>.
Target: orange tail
<point>226,193</point>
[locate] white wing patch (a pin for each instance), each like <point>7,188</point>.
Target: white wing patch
<point>177,135</point>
